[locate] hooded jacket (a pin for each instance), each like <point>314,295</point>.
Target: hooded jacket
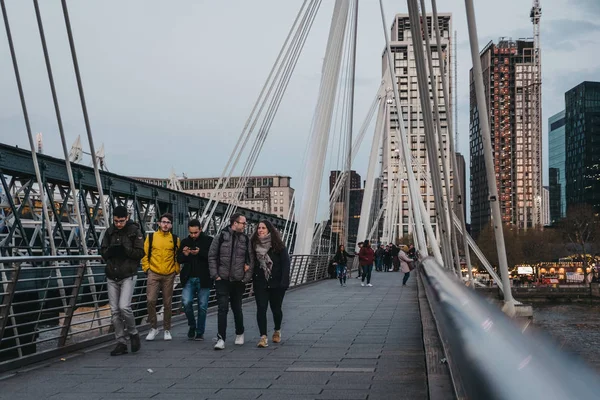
<point>164,258</point>
<point>122,249</point>
<point>228,254</point>
<point>196,266</point>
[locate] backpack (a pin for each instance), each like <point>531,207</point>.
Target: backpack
<point>151,235</point>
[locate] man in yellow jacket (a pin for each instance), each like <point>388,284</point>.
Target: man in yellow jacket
<point>161,266</point>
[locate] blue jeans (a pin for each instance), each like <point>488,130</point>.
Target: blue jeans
<point>341,273</point>
<point>379,264</point>
<point>190,290</point>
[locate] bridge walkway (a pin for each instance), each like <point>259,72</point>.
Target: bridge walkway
<point>337,343</point>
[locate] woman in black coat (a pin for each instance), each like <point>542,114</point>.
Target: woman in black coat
<point>271,277</point>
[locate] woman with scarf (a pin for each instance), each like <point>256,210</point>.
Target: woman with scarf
<point>271,277</point>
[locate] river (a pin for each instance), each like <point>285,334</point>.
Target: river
<point>575,328</point>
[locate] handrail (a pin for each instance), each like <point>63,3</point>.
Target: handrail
<point>47,307</point>
<point>490,358</point>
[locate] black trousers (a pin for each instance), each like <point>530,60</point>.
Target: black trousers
<point>230,292</point>
<point>264,297</point>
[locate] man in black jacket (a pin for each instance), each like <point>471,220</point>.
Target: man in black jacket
<point>195,277</point>
<point>122,249</point>
<point>231,268</point>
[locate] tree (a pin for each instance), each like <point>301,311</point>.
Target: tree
<point>580,230</point>
<point>487,244</point>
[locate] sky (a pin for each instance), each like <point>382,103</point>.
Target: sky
<point>169,85</point>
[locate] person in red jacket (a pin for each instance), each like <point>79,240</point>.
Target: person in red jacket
<point>365,258</point>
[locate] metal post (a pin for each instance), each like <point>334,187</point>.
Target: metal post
<point>350,127</point>
<point>412,184</point>
<point>432,154</point>
<point>7,299</point>
<point>484,124</point>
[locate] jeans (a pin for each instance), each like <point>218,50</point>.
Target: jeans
<point>230,292</point>
<point>341,273</point>
<point>264,297</point>
<point>379,264</point>
<point>119,298</point>
<point>366,273</point>
<point>190,290</point>
<point>405,278</point>
<point>164,283</point>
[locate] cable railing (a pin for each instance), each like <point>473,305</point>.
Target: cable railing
<point>490,357</point>
<point>55,304</point>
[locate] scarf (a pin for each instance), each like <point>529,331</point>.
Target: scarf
<point>262,248</point>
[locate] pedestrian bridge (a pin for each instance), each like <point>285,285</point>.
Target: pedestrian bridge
<point>338,342</point>
<point>433,338</point>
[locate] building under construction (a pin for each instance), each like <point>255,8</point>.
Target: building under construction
<point>512,85</point>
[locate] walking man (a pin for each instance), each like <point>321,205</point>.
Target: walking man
<point>161,266</point>
<point>122,249</point>
<point>195,277</point>
<point>231,268</point>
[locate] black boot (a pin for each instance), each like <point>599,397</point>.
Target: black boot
<point>120,349</point>
<point>135,342</point>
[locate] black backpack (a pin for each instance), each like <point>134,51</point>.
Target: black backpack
<point>151,235</point>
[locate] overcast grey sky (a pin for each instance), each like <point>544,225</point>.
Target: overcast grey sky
<point>170,84</point>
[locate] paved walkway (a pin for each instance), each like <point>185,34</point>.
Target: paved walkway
<point>338,343</point>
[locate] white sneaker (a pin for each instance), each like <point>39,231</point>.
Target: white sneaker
<point>362,284</point>
<point>239,339</point>
<point>369,285</point>
<point>168,335</point>
<point>220,345</point>
<point>152,334</point>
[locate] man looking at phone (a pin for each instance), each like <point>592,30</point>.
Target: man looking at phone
<point>195,277</point>
<point>122,249</point>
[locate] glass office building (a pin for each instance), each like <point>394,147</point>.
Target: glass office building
<point>582,144</point>
<point>556,164</point>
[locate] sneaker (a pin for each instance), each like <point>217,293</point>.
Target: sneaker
<point>276,336</point>
<point>362,284</point>
<point>264,342</point>
<point>135,342</point>
<point>191,333</point>
<point>199,337</point>
<point>344,284</point>
<point>239,339</point>
<point>152,334</point>
<point>220,345</point>
<point>369,285</point>
<point>168,335</point>
<point>120,349</point>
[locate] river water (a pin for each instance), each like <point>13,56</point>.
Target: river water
<point>575,328</point>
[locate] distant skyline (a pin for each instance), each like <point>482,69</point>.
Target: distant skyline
<point>170,85</point>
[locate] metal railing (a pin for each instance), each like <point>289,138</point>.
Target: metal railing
<point>52,305</point>
<point>488,355</point>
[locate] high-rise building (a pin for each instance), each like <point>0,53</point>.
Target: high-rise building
<point>406,75</point>
<point>338,218</point>
<point>461,173</point>
<point>513,108</point>
<point>582,143</point>
<point>545,206</point>
<point>270,194</point>
<point>557,178</point>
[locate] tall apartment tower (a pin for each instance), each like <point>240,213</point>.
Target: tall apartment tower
<point>513,108</point>
<point>406,75</point>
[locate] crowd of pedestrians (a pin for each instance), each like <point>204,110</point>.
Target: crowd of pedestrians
<point>227,262</point>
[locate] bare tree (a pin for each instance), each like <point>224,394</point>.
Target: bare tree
<point>580,230</point>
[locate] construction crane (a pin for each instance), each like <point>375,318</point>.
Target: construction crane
<point>536,111</point>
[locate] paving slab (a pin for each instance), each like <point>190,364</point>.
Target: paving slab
<point>337,343</point>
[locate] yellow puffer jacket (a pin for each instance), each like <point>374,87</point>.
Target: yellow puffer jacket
<point>164,259</point>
